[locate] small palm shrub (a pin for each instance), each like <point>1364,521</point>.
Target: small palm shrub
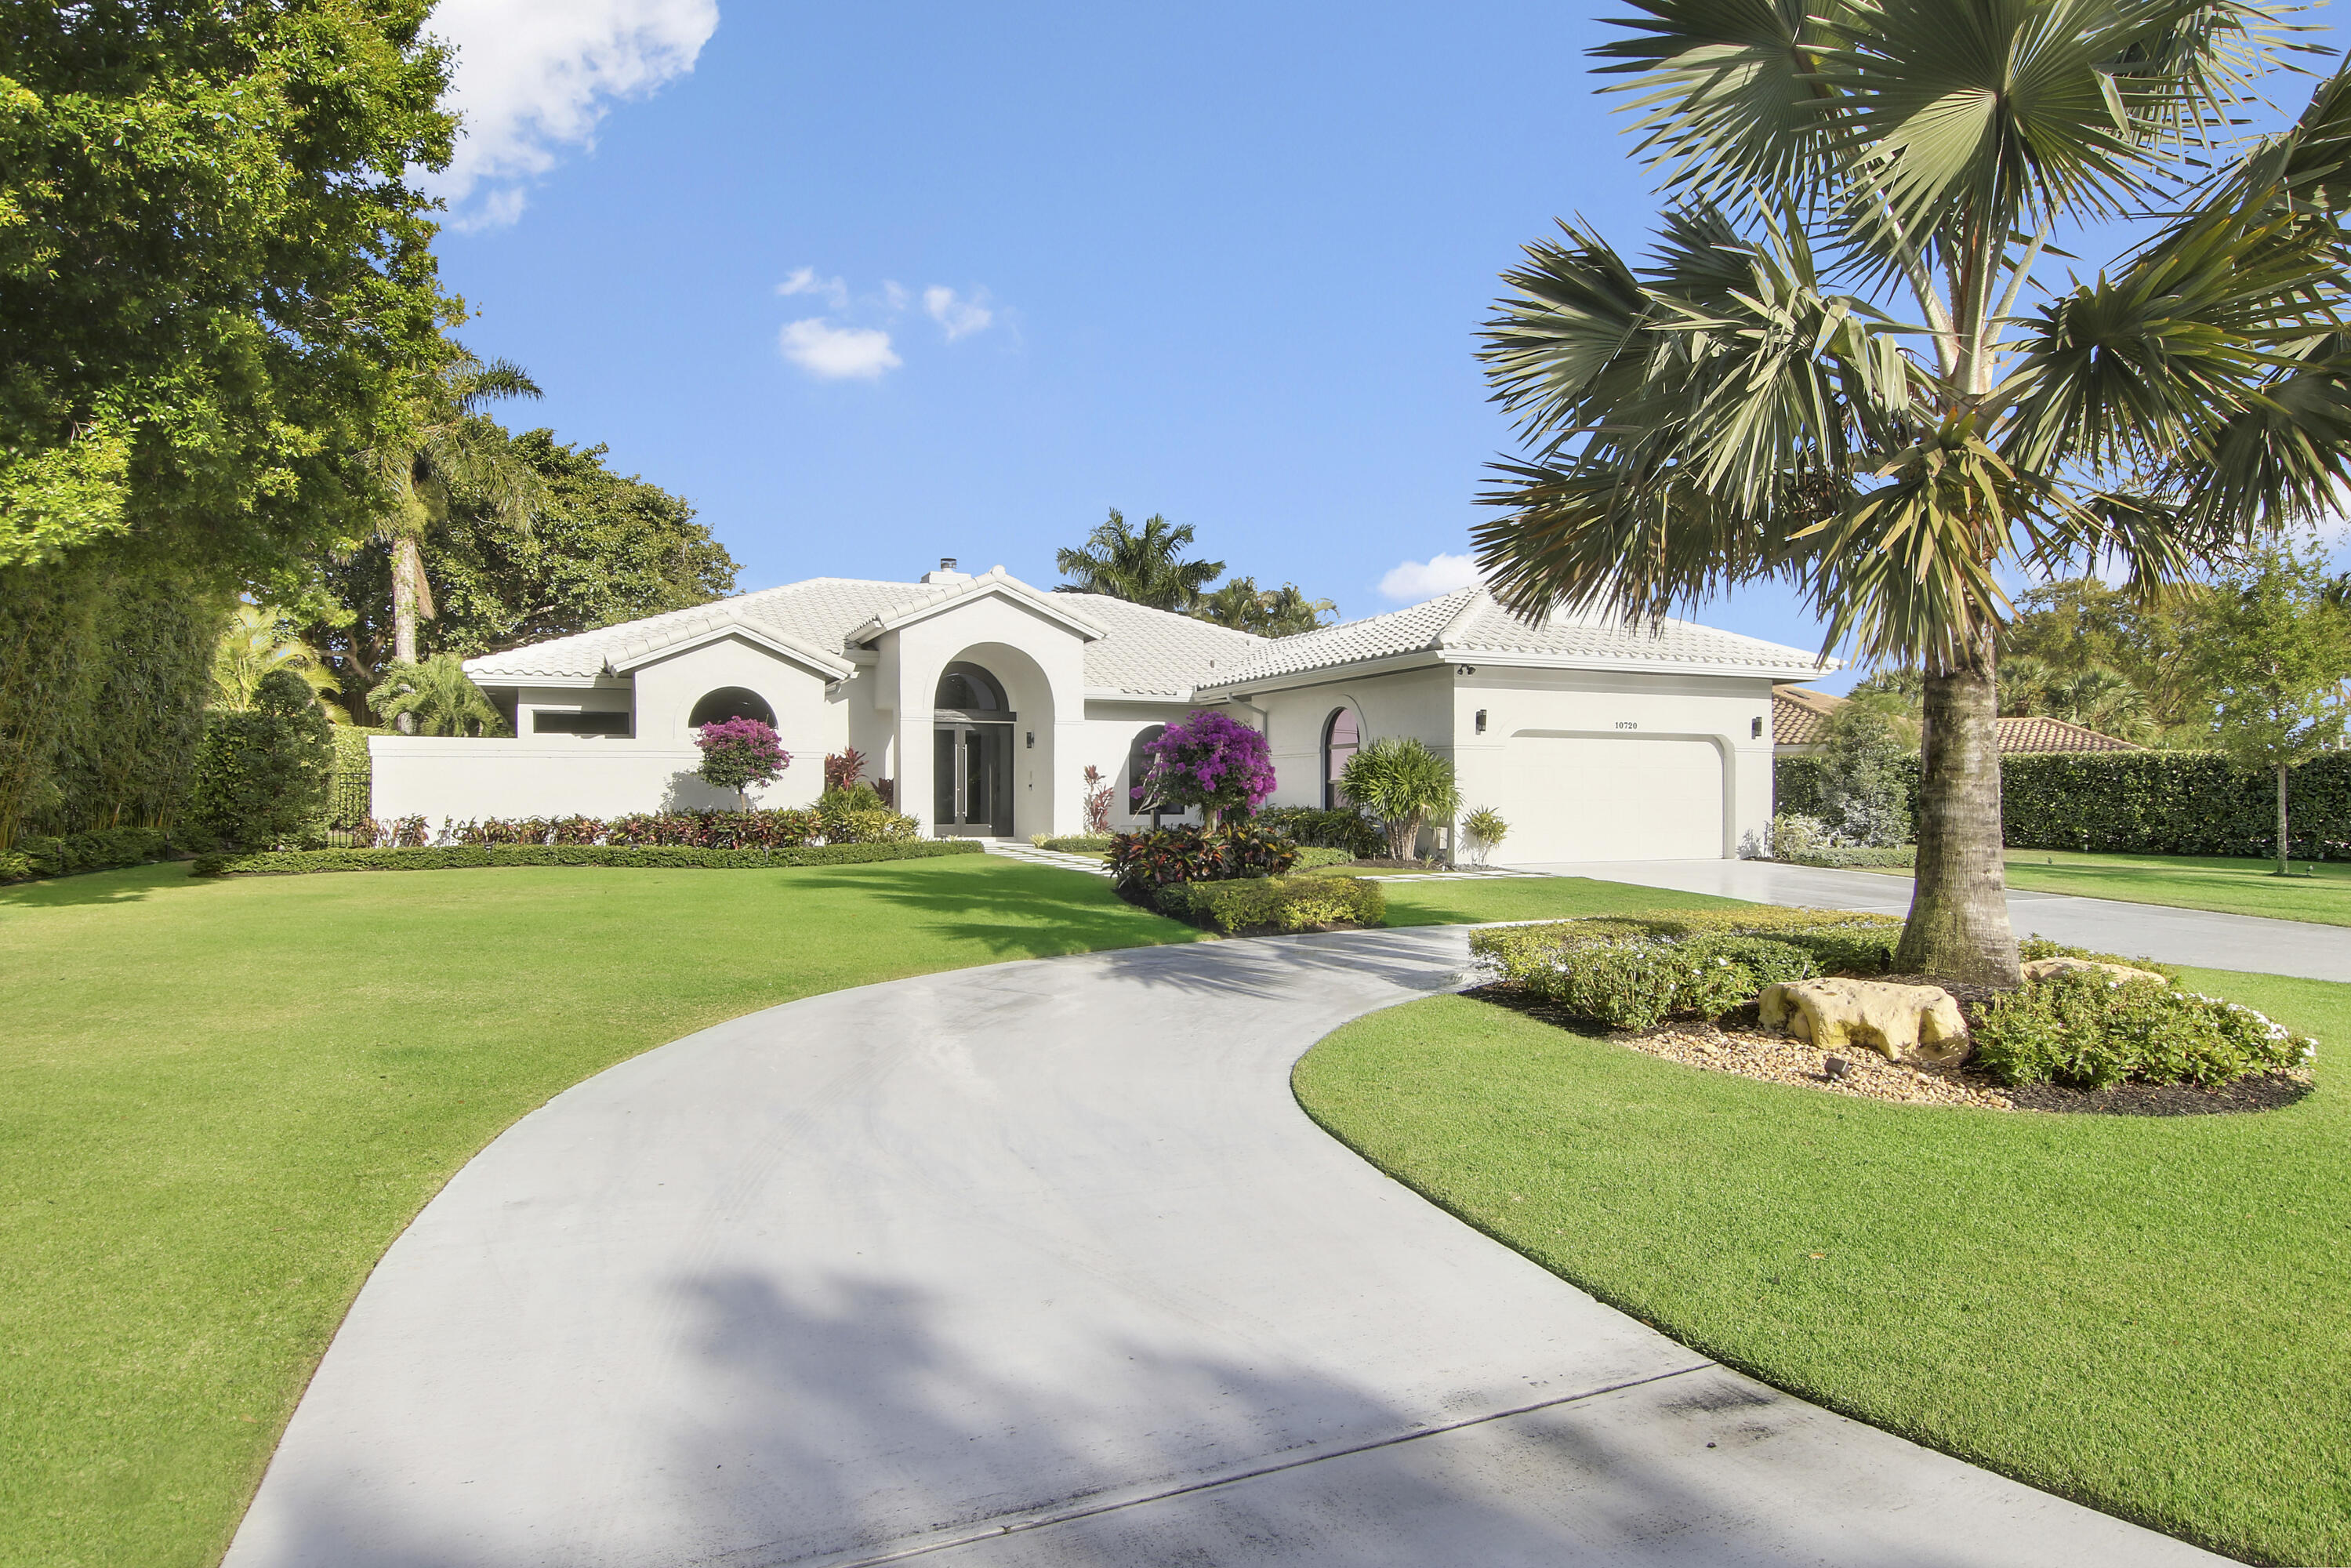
<point>1486,830</point>
<point>436,698</point>
<point>1402,783</point>
<point>2086,1031</point>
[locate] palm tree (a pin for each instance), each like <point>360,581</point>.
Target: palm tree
<point>1827,371</point>
<point>2096,695</point>
<point>1143,565</point>
<point>2023,680</point>
<point>435,697</point>
<point>254,643</point>
<point>449,445</point>
<point>1281,611</point>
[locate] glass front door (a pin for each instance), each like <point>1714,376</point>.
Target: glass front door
<point>971,775</point>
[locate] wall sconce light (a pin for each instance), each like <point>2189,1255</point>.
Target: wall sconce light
<point>1755,729</point>
<point>1481,721</point>
<point>1032,740</point>
<point>1464,669</point>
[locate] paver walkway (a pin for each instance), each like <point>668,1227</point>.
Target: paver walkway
<point>2151,930</point>
<point>1041,1264</point>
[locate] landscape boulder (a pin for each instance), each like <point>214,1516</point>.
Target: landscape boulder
<point>2041,968</point>
<point>1918,1024</point>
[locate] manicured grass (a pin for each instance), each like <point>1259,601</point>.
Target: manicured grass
<point>2152,1316</point>
<point>223,1100</point>
<point>2192,882</point>
<point>1529,898</point>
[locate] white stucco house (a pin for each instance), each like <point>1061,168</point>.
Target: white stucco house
<point>984,700</point>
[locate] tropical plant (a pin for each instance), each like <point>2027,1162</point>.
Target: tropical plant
<point>1828,373</point>
<point>1282,612</point>
<point>261,774</point>
<point>447,447</point>
<point>1486,831</point>
<point>1098,798</point>
<point>1211,760</point>
<point>435,697</point>
<point>737,753</point>
<point>843,768</point>
<point>256,640</point>
<point>1865,783</point>
<point>1402,783</point>
<point>2276,654</point>
<point>1143,565</point>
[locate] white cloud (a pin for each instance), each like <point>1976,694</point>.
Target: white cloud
<point>838,353</point>
<point>893,295</point>
<point>534,76</point>
<point>805,281</point>
<point>961,316</point>
<point>1415,581</point>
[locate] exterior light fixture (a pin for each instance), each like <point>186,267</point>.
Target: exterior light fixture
<point>1481,721</point>
<point>1464,669</point>
<point>1755,729</point>
<point>1032,740</point>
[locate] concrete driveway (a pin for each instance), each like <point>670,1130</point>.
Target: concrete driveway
<point>1041,1264</point>
<point>2150,930</point>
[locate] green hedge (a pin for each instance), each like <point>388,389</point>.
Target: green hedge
<point>2141,802</point>
<point>1078,843</point>
<point>297,863</point>
<point>1275,903</point>
<point>100,851</point>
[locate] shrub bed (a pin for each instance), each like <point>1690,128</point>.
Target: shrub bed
<point>296,862</point>
<point>101,850</point>
<point>845,816</point>
<point>1275,903</point>
<point>2138,803</point>
<point>1317,857</point>
<point>2087,1030</point>
<point>1158,857</point>
<point>1635,971</point>
<point>1885,855</point>
<point>1345,829</point>
<point>1075,843</point>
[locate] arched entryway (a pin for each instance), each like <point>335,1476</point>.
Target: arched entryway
<point>974,736</point>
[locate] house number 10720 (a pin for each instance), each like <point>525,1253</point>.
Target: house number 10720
<point>1627,723</point>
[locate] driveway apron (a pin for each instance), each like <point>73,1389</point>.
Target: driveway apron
<point>2249,942</point>
<point>1041,1264</point>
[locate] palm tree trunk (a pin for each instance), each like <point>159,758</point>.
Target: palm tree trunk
<point>2285,865</point>
<point>407,571</point>
<point>1958,926</point>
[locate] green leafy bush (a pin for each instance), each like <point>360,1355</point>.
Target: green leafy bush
<point>297,863</point>
<point>2140,802</point>
<point>1158,856</point>
<point>1855,855</point>
<point>2039,946</point>
<point>1076,843</point>
<point>100,851</point>
<point>2087,1030</point>
<point>261,773</point>
<point>1316,857</point>
<point>1275,903</point>
<point>1633,971</point>
<point>1345,829</point>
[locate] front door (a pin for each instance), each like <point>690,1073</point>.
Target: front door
<point>971,773</point>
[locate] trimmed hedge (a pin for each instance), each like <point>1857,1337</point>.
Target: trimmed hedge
<point>102,850</point>
<point>2140,802</point>
<point>298,862</point>
<point>1275,903</point>
<point>1076,843</point>
<point>1889,855</point>
<point>1316,857</point>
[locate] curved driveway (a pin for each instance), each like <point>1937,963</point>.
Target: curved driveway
<point>1041,1264</point>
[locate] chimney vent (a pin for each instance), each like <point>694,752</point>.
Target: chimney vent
<point>946,563</point>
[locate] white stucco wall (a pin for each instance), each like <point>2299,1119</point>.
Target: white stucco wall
<point>439,779</point>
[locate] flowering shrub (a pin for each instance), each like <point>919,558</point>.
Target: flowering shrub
<point>737,753</point>
<point>1209,760</point>
<point>2087,1029</point>
<point>1160,856</point>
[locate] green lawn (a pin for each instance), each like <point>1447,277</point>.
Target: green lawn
<point>224,1099</point>
<point>1528,898</point>
<point>2192,882</point>
<point>2152,1316</point>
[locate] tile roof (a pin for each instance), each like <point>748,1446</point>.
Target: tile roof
<point>1469,621</point>
<point>1146,651</point>
<point>1800,717</point>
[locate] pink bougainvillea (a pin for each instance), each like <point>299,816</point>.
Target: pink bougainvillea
<point>1210,760</point>
<point>737,753</point>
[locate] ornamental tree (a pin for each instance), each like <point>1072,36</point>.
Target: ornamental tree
<point>1210,760</point>
<point>737,753</point>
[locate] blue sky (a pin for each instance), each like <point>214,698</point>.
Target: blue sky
<point>874,285</point>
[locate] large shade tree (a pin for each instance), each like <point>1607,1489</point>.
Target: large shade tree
<point>1834,369</point>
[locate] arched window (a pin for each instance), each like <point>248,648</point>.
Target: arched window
<point>731,701</point>
<point>1342,735</point>
<point>1138,770</point>
<point>968,688</point>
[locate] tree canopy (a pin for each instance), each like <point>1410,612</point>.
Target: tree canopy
<point>1147,566</point>
<point>215,271</point>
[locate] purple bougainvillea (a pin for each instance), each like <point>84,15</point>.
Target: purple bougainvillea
<point>737,753</point>
<point>1212,761</point>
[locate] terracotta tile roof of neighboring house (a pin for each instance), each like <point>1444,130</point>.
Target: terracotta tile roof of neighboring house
<point>2035,733</point>
<point>1470,624</point>
<point>1149,653</point>
<point>1800,717</point>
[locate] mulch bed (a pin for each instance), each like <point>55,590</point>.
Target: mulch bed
<point>1736,1043</point>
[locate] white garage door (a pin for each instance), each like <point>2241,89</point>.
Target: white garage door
<point>1610,798</point>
